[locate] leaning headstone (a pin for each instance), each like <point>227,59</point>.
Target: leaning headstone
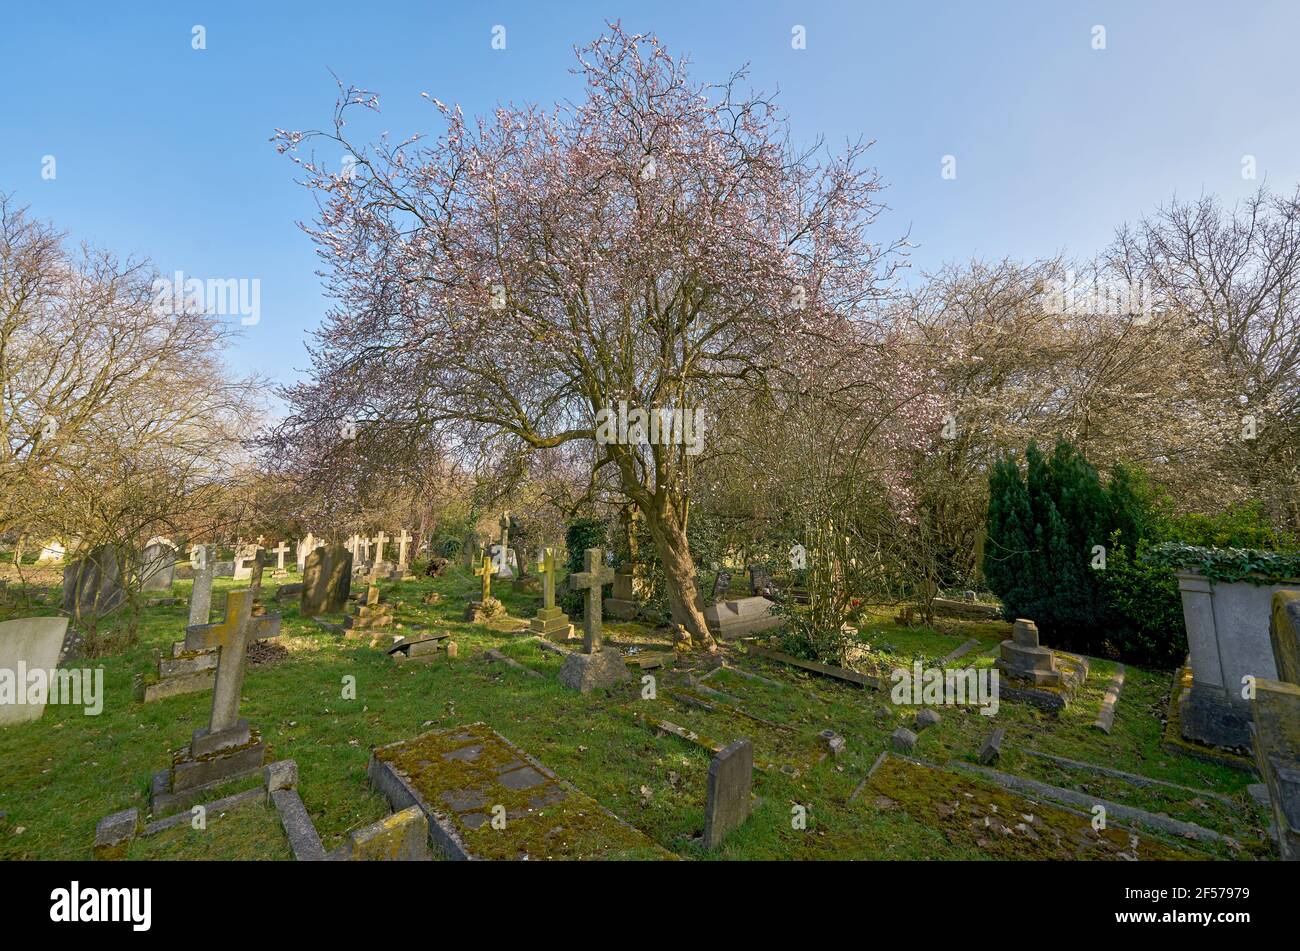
<point>726,805</point>
<point>92,586</point>
<point>227,748</point>
<point>26,645</point>
<point>595,667</point>
<point>992,747</point>
<point>326,581</point>
<point>157,565</point>
<point>400,837</point>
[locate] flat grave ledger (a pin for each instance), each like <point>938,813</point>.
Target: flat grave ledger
<point>487,799</point>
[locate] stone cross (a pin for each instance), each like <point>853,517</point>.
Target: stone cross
<point>365,547</point>
<point>403,540</point>
<point>230,670</point>
<point>546,568</point>
<point>484,571</point>
<point>279,555</point>
<point>238,601</point>
<point>505,531</point>
<point>261,541</point>
<point>380,541</point>
<point>593,576</point>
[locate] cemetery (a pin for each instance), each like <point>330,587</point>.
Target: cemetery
<point>868,569</point>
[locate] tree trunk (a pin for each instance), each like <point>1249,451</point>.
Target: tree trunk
<point>679,573</point>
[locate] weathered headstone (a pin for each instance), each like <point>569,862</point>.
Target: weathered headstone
<point>326,581</point>
<point>203,559</point>
<point>227,748</point>
<point>721,585</point>
<point>1275,725</point>
<point>501,553</point>
<point>622,602</point>
<point>403,549</point>
<point>209,636</point>
<point>551,621</point>
<point>374,614</point>
<point>157,565</point>
<point>245,556</point>
<point>1036,675</point>
<point>726,806</point>
<point>596,666</point>
<point>27,644</point>
<point>305,547</point>
<point>280,551</point>
<point>760,583</point>
<point>92,585</point>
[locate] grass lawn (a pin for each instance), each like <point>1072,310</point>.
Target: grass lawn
<point>61,774</point>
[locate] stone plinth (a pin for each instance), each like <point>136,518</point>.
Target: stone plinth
<point>552,623</point>
<point>599,670</point>
<point>1227,634</point>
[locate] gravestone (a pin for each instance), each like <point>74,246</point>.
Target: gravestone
<point>200,637</point>
<point>373,615</point>
<point>465,777</point>
<point>760,583</point>
<point>1036,675</point>
<point>1227,637</point>
<point>551,621</point>
<point>305,547</point>
<point>203,559</point>
<point>486,607</point>
<point>280,551</point>
<point>245,555</point>
<point>27,644</point>
<point>721,585</point>
<point>726,805</point>
<point>52,553</point>
<point>743,617</point>
<point>92,586</point>
<point>502,556</point>
<point>157,565</point>
<point>227,748</point>
<point>326,581</point>
<point>622,603</point>
<point>595,667</point>
<point>1275,725</point>
<point>403,550</point>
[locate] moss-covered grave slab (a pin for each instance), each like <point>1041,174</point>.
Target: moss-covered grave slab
<point>487,799</point>
<point>1003,824</point>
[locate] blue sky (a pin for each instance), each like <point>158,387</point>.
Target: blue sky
<point>163,151</point>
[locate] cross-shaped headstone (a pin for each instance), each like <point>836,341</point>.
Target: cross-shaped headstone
<point>505,530</point>
<point>364,542</point>
<point>593,577</point>
<point>261,541</point>
<point>546,568</point>
<point>403,540</point>
<point>279,553</point>
<point>209,636</point>
<point>484,571</point>
<point>230,668</point>
<point>380,541</point>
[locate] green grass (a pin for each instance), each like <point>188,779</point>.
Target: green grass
<point>66,771</point>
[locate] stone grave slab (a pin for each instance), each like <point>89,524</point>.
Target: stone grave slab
<point>742,617</point>
<point>464,777</point>
<point>1002,824</point>
<point>28,644</point>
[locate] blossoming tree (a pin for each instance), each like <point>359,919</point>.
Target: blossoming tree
<point>657,242</point>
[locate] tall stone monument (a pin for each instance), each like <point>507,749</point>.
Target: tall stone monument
<point>596,666</point>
